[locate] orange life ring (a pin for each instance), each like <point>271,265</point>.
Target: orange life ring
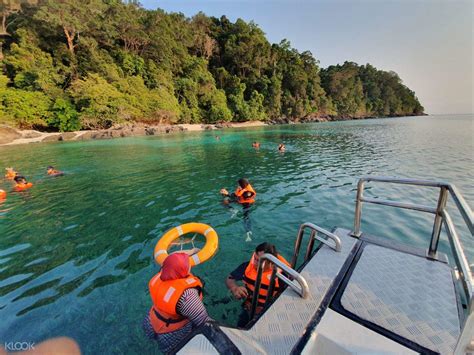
<point>210,248</point>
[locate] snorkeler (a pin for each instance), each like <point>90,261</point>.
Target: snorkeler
<point>53,172</point>
<point>247,273</point>
<point>21,184</point>
<point>10,174</point>
<point>245,195</point>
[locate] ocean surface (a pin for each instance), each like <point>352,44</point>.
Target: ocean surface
<point>76,252</point>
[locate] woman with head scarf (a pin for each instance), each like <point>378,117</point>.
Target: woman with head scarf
<point>177,303</point>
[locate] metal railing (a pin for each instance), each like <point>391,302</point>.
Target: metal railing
<point>313,236</point>
<point>441,218</point>
<point>301,287</point>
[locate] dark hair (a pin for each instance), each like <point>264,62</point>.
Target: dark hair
<point>243,182</point>
<point>50,167</point>
<point>18,178</point>
<point>266,248</point>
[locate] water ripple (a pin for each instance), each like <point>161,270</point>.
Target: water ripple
<point>76,251</point>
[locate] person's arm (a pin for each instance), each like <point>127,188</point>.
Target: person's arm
<point>232,196</point>
<point>190,306</point>
<point>238,291</point>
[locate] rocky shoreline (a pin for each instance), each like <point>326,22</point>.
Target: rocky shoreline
<point>12,136</point>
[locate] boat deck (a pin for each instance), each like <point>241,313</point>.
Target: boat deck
<point>405,294</point>
<point>280,328</point>
<point>402,300</point>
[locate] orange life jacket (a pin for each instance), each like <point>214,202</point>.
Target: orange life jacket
<point>165,296</point>
<point>21,186</point>
<point>53,172</point>
<point>250,276</point>
<point>240,194</point>
<point>10,175</point>
<point>3,195</point>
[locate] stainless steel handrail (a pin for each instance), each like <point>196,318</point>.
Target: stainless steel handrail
<point>313,236</point>
<point>460,258</point>
<point>461,204</point>
<point>302,290</point>
<point>441,217</point>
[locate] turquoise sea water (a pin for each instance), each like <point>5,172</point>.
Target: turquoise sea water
<point>76,251</point>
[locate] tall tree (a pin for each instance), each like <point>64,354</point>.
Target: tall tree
<point>7,9</point>
<point>72,17</point>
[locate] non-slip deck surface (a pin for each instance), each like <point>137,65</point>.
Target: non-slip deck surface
<point>407,295</point>
<point>282,326</point>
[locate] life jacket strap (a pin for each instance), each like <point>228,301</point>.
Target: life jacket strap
<point>168,321</point>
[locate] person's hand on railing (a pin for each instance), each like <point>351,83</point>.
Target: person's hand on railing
<point>239,292</point>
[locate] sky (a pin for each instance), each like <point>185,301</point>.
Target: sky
<point>429,43</point>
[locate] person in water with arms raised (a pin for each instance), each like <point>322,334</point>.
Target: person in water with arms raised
<point>244,195</point>
<point>247,272</point>
<point>177,303</point>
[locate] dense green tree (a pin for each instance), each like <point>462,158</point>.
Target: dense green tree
<point>72,17</point>
<point>30,67</point>
<point>359,91</point>
<point>28,109</point>
<point>64,116</point>
<point>73,64</point>
<point>7,9</point>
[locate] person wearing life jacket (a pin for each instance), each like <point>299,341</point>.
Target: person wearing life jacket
<point>247,273</point>
<point>21,184</point>
<point>244,195</point>
<point>10,174</point>
<point>177,303</point>
<point>51,171</point>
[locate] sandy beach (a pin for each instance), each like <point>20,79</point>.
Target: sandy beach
<point>12,136</point>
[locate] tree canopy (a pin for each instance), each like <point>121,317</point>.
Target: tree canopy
<point>74,64</point>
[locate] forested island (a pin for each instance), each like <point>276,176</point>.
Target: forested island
<point>93,64</point>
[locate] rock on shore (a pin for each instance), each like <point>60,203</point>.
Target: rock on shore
<point>9,136</point>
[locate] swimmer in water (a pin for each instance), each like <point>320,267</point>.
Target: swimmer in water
<point>10,174</point>
<point>53,172</point>
<point>21,184</point>
<point>244,195</point>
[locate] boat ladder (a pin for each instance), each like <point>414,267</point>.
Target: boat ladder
<point>301,285</point>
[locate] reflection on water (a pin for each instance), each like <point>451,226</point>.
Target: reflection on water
<point>76,251</point>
